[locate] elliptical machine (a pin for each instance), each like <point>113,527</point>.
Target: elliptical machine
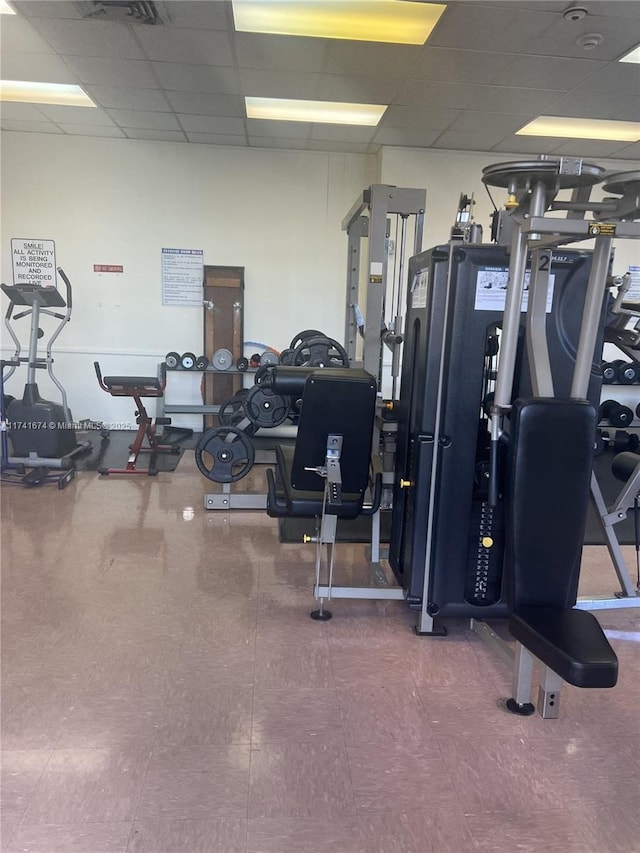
<point>41,432</point>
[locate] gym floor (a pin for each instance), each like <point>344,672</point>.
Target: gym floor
<point>165,691</point>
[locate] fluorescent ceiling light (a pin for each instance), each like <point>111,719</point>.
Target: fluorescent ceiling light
<point>5,8</point>
<point>326,112</point>
<point>582,128</point>
<point>44,93</point>
<point>632,56</point>
<point>393,21</point>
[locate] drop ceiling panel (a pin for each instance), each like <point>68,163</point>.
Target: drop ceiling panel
<point>288,129</point>
<point>21,112</point>
<point>274,142</point>
<point>528,145</point>
<point>425,119</point>
<point>212,124</point>
<point>366,90</point>
<point>468,141</point>
<point>19,36</point>
<point>46,9</point>
<point>360,58</point>
<point>505,99</point>
<point>216,139</point>
<point>491,28</point>
<point>206,105</point>
<point>174,44</point>
<point>488,122</point>
<point>89,38</point>
<point>39,67</point>
<point>155,135</point>
<point>560,40</point>
<point>588,148</point>
<point>592,105</point>
<point>405,137</point>
<point>75,115</point>
<point>338,133</point>
<point>92,130</point>
<point>456,96</point>
<point>631,152</point>
<point>548,72</point>
<point>460,66</point>
<point>338,147</point>
<point>279,53</point>
<point>196,14</point>
<point>613,8</point>
<point>615,77</point>
<point>30,126</point>
<point>122,98</point>
<point>113,72</point>
<point>142,119</point>
<point>280,84</point>
<point>197,78</point>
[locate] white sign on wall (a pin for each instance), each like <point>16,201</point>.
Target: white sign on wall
<point>34,262</point>
<point>182,272</point>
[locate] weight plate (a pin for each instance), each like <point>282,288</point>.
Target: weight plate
<point>242,363</point>
<point>286,356</point>
<point>202,362</point>
<point>262,373</point>
<point>268,357</point>
<point>224,454</point>
<point>232,413</point>
<point>188,360</point>
<point>172,360</point>
<point>301,337</point>
<point>222,359</point>
<point>264,408</point>
<point>320,352</point>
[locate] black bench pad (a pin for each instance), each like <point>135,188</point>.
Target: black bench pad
<point>132,382</point>
<point>570,642</point>
<point>283,500</point>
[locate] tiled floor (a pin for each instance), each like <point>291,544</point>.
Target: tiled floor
<point>164,691</point>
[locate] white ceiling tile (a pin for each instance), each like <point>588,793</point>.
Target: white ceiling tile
<point>280,84</point>
<point>613,8</point>
<point>279,53</point>
<point>615,77</point>
<point>459,66</point>
<point>274,142</point>
<point>490,28</point>
<point>144,120</point>
<point>89,38</point>
<point>547,72</point>
<point>20,112</point>
<point>366,90</point>
<point>19,36</point>
<point>216,139</point>
<point>197,78</point>
<point>155,135</point>
<point>630,152</point>
<point>38,67</point>
<point>92,130</point>
<point>507,99</point>
<point>30,126</point>
<point>342,133</point>
<point>418,117</point>
<point>406,137</point>
<point>338,147</point>
<point>587,148</point>
<point>206,105</point>
<point>455,96</point>
<point>592,105</point>
<point>173,44</point>
<point>46,9</point>
<point>528,145</point>
<point>361,58</point>
<point>122,98</point>
<point>619,37</point>
<point>75,115</point>
<point>290,129</point>
<point>629,113</point>
<point>212,124</point>
<point>467,141</point>
<point>113,72</point>
<point>504,123</point>
<point>196,14</point>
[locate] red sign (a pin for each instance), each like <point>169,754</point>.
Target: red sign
<point>108,268</point>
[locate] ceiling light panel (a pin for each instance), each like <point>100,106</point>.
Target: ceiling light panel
<point>392,21</point>
<point>27,92</point>
<point>329,112</point>
<point>5,8</point>
<point>632,56</point>
<point>582,128</point>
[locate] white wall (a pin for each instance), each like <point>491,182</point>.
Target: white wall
<point>276,213</point>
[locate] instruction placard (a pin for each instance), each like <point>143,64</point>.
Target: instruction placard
<point>491,289</point>
<point>182,272</point>
<point>34,262</point>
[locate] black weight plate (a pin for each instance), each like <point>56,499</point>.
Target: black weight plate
<point>321,352</point>
<point>172,360</point>
<point>264,371</point>
<point>232,413</point>
<point>301,337</point>
<point>286,356</point>
<point>188,360</point>
<point>202,362</point>
<point>224,454</point>
<point>242,363</point>
<point>264,408</point>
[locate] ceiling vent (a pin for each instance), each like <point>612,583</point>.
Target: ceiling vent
<point>123,11</point>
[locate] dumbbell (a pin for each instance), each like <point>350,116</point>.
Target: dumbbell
<point>617,414</point>
<point>601,442</point>
<point>609,372</point>
<point>623,441</point>
<point>627,372</point>
<point>242,363</point>
<point>202,362</point>
<point>172,360</point>
<point>188,360</point>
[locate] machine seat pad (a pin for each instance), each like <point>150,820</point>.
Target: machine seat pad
<point>570,642</point>
<point>132,382</point>
<point>283,500</point>
<point>624,464</point>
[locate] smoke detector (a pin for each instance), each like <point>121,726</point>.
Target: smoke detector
<point>590,41</point>
<point>575,13</point>
<point>123,11</point>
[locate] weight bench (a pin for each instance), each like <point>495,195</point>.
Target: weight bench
<point>550,453</point>
<point>139,387</point>
<point>326,475</point>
